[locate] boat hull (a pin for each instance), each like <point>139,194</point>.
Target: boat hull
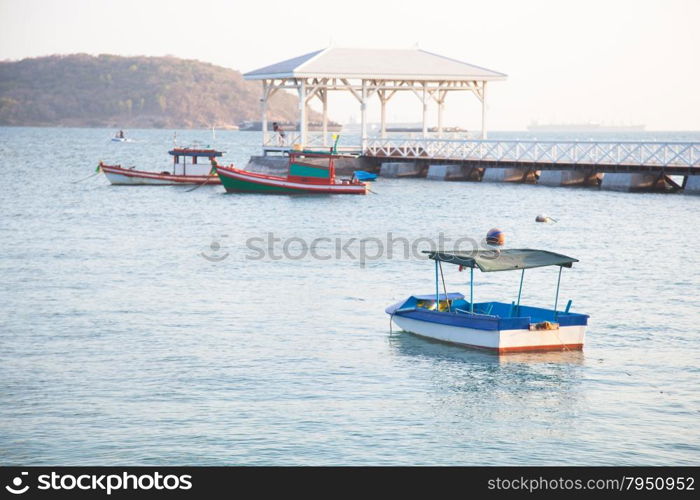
<point>363,176</point>
<point>501,341</point>
<point>242,181</point>
<point>119,176</point>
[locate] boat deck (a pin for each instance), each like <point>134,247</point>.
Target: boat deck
<point>485,315</point>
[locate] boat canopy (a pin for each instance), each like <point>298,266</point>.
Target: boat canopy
<point>207,153</point>
<point>503,260</point>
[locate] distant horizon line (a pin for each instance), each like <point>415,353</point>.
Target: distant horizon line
<point>225,128</point>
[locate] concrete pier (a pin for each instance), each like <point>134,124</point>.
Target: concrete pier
<point>643,166</point>
<point>569,178</point>
<point>616,181</point>
<point>440,172</point>
<point>401,169</point>
<point>692,185</point>
<point>494,174</point>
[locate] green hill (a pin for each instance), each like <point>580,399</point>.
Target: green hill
<point>115,91</point>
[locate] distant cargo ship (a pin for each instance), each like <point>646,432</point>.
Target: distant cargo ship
<point>583,127</point>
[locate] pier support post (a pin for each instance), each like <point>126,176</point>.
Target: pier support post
<point>454,172</point>
<point>692,184</point>
<point>619,181</point>
<point>401,169</point>
<point>557,178</point>
<point>499,174</point>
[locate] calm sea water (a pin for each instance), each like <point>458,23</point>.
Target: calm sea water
<point>121,343</point>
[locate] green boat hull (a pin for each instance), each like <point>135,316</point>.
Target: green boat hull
<point>241,186</point>
<point>241,181</point>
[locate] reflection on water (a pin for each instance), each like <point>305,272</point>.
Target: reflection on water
<point>415,345</point>
<point>535,396</point>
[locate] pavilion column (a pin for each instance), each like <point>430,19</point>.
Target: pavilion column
<point>384,97</point>
<point>441,109</point>
<point>263,110</point>
<point>484,134</point>
<point>382,100</point>
<point>324,100</point>
<point>425,111</point>
<point>363,115</point>
<point>302,112</point>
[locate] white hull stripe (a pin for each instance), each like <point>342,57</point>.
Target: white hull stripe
<point>502,340</point>
<point>174,179</point>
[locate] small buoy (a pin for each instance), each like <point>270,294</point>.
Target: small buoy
<point>495,237</point>
<point>544,218</point>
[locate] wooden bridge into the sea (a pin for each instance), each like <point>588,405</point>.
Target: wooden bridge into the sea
<point>622,165</point>
<point>633,165</point>
<point>377,75</point>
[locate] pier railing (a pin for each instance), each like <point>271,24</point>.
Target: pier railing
<point>663,154</point>
<point>291,138</point>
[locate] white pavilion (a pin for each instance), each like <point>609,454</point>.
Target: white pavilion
<point>368,72</point>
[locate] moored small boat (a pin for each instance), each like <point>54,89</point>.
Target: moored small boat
<point>364,176</point>
<point>309,172</point>
<point>496,326</point>
<point>120,137</point>
<point>194,172</point>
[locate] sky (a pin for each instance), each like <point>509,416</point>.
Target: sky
<point>612,62</point>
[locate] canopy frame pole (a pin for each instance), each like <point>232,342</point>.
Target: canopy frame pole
<point>471,290</point>
<point>437,287</point>
<point>444,288</point>
<point>520,290</point>
<point>556,297</point>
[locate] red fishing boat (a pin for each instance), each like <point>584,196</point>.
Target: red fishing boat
<point>309,172</point>
<point>198,170</point>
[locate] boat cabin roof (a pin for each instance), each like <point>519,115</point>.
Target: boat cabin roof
<point>208,153</point>
<point>503,260</point>
<point>321,153</point>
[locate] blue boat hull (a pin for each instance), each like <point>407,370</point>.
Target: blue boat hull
<point>363,176</point>
<point>492,325</point>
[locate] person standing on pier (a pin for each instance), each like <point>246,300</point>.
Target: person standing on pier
<point>280,132</point>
